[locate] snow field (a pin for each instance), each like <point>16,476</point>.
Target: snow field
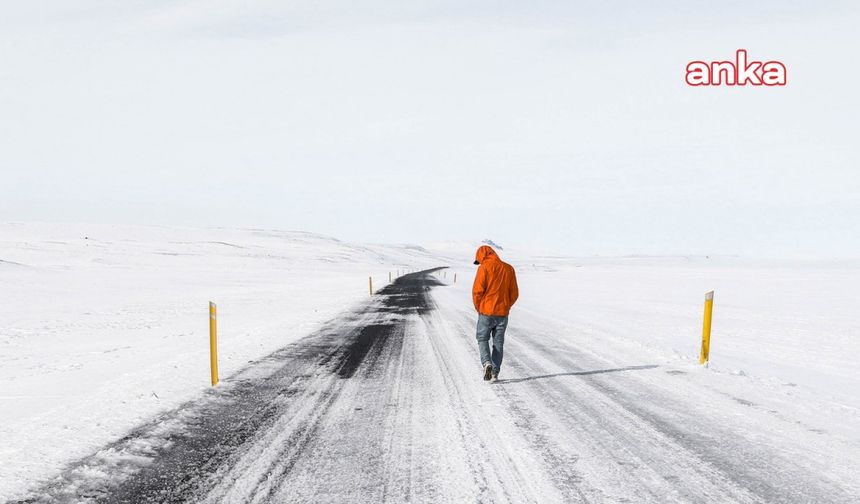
<point>102,327</point>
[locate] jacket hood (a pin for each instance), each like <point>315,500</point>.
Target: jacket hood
<point>484,252</point>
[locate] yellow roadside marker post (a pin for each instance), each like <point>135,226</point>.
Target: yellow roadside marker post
<point>706,328</point>
<point>213,343</point>
<point>370,284</point>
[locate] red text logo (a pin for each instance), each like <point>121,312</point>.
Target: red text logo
<point>740,72</point>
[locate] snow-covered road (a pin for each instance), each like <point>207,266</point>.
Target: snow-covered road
<point>386,404</point>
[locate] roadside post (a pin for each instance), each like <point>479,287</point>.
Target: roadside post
<point>706,328</point>
<point>370,284</point>
<point>213,343</point>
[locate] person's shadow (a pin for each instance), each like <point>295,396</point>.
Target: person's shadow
<point>578,373</point>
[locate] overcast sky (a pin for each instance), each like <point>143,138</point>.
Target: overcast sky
<point>558,125</point>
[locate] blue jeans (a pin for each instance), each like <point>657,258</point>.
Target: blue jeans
<point>488,326</point>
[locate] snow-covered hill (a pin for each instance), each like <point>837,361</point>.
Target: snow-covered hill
<point>103,326</point>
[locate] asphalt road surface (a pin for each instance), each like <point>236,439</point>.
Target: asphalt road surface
<point>386,404</point>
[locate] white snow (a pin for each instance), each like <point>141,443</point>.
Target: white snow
<point>783,380</point>
<point>103,327</point>
<point>789,325</point>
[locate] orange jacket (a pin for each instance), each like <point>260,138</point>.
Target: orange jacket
<point>495,288</point>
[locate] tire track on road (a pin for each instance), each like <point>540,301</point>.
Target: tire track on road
<point>726,464</point>
<point>607,434</point>
<point>183,454</point>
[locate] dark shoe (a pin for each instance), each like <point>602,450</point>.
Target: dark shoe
<point>488,371</point>
<point>494,378</point>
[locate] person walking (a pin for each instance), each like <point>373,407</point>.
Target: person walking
<point>494,293</point>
